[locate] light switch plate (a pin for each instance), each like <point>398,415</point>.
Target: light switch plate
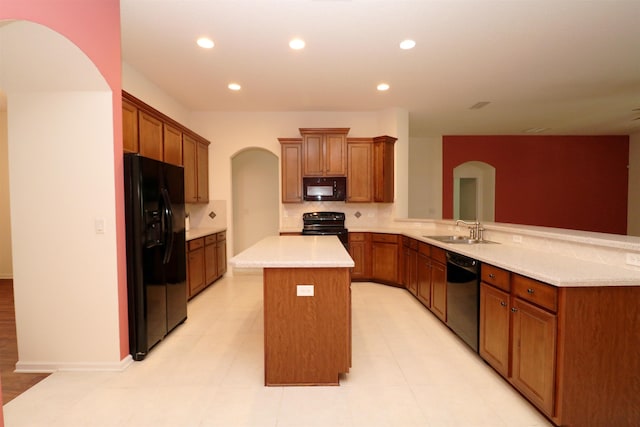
<point>304,290</point>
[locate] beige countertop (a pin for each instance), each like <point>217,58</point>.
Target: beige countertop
<point>555,262</point>
<point>195,233</point>
<point>294,252</point>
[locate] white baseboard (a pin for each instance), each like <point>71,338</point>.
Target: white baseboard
<point>43,367</point>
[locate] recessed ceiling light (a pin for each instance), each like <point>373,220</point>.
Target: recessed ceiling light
<point>205,42</point>
<point>382,87</point>
<point>297,44</point>
<point>407,44</point>
<point>234,86</point>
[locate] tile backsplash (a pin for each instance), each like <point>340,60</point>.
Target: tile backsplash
<point>358,215</point>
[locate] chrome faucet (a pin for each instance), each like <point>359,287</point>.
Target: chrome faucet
<point>475,229</point>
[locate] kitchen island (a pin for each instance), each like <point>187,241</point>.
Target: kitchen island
<point>307,307</point>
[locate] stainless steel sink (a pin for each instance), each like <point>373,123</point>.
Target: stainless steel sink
<point>460,240</point>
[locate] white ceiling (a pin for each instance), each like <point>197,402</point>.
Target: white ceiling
<point>568,65</point>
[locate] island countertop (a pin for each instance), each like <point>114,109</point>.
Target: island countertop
<point>294,251</point>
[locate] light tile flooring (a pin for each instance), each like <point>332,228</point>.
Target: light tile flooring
<point>408,370</point>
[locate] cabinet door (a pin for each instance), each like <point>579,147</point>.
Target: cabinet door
<point>172,145</point>
<point>411,270</point>
<point>494,328</point>
<point>202,172</point>
<point>384,262</point>
<point>150,140</point>
<point>439,290</point>
<point>313,155</point>
<point>210,262</point>
<point>533,350</point>
<point>291,172</point>
<point>129,127</point>
<point>383,169</point>
<point>424,280</point>
<point>190,175</point>
<point>359,169</point>
<point>221,254</point>
<point>195,269</point>
<point>335,155</point>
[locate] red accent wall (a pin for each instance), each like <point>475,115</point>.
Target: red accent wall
<point>574,182</point>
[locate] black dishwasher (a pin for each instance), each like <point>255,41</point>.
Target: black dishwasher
<point>463,297</point>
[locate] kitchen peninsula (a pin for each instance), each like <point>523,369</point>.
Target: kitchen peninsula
<point>307,307</point>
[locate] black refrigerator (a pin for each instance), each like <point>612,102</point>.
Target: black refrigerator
<point>156,258</point>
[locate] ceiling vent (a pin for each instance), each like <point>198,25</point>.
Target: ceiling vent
<point>479,105</point>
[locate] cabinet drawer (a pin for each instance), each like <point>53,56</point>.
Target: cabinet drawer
<point>538,293</point>
<point>196,243</point>
<point>495,276</point>
<point>384,238</point>
<point>424,249</point>
<point>210,239</point>
<point>356,237</point>
<point>221,236</point>
<point>438,254</point>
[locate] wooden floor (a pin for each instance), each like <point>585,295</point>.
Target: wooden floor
<point>12,383</point>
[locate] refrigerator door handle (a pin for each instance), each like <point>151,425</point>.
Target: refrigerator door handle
<point>168,226</point>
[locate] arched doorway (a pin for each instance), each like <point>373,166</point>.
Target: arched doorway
<point>474,186</point>
<point>60,137</point>
<point>255,186</point>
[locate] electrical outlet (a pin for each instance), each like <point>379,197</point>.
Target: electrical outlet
<point>304,290</point>
<point>516,238</point>
<point>633,259</point>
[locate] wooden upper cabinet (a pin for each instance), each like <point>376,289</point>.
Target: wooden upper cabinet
<point>202,171</point>
<point>195,155</point>
<point>150,129</point>
<point>129,127</point>
<point>189,146</point>
<point>324,151</point>
<point>383,169</point>
<point>172,145</point>
<point>291,164</point>
<point>359,170</point>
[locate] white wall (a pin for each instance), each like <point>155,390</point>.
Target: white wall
<point>633,206</point>
<point>231,133</point>
<point>425,178</point>
<point>61,173</point>
<point>6,261</point>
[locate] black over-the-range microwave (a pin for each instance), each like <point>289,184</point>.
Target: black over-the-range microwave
<point>325,189</point>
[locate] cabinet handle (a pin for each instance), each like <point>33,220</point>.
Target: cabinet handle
<point>502,303</point>
<point>492,276</point>
<point>513,309</point>
<point>530,291</point>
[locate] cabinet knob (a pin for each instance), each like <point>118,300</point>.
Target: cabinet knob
<point>513,309</point>
<point>502,303</point>
<point>492,276</point>
<point>530,291</point>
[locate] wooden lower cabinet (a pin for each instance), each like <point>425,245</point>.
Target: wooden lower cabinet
<point>410,267</point>
<point>206,261</point>
<point>533,350</point>
<point>385,258</point>
<point>439,289</point>
<point>360,251</point>
<point>210,258</point>
<point>518,337</point>
<point>195,266</point>
<point>424,276</point>
<point>495,318</point>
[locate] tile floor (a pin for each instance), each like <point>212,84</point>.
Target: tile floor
<point>408,370</point>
